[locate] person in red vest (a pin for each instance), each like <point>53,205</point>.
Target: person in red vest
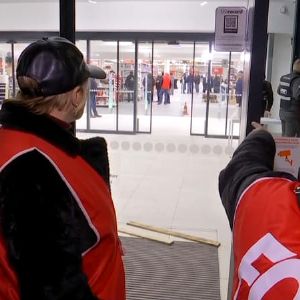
<point>58,237</point>
<point>165,89</point>
<point>262,206</point>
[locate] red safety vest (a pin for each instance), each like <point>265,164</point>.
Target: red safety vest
<point>103,263</point>
<point>266,242</point>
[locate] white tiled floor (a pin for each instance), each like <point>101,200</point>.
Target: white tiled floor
<point>172,188</point>
<point>169,178</point>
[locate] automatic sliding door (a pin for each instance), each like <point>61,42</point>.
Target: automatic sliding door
<point>145,87</point>
<point>6,71</point>
<point>172,104</point>
<point>224,109</point>
<point>100,112</point>
<point>219,98</point>
<point>201,86</point>
<point>127,86</point>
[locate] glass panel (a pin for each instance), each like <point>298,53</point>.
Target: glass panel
<point>202,57</point>
<point>226,93</point>
<point>170,113</point>
<point>18,48</point>
<point>103,110</point>
<point>218,93</point>
<point>82,122</point>
<point>145,87</point>
<point>127,86</point>
<point>6,86</point>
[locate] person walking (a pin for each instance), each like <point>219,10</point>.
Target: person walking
<point>93,100</point>
<point>129,84</point>
<point>165,89</point>
<point>158,83</point>
<point>59,237</point>
<point>239,88</point>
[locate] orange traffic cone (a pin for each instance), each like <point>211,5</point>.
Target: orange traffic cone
<point>185,110</point>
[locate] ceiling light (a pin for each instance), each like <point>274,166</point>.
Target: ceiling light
<point>92,1</point>
<point>203,3</point>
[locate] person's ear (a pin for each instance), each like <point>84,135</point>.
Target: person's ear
<point>77,96</point>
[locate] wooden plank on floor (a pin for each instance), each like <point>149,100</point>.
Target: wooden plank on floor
<point>174,233</point>
<point>145,234</point>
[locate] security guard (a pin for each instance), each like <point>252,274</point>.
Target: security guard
<point>289,113</point>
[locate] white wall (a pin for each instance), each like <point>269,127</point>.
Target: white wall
<point>147,15</point>
<point>281,22</point>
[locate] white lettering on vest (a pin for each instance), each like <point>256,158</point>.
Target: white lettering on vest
<point>275,252</point>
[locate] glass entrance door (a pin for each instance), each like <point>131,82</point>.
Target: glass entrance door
<point>145,87</point>
<point>201,87</point>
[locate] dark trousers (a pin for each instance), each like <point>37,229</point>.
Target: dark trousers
<point>130,95</point>
<point>239,99</point>
<point>93,105</point>
<point>166,97</point>
<point>290,123</point>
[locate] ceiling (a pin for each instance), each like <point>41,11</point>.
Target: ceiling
<point>57,1</point>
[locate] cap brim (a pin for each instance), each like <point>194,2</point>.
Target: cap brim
<point>96,72</point>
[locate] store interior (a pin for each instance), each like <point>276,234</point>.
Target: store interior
<point>136,110</point>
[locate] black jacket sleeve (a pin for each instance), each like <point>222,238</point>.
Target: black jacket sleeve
<point>45,230</point>
<point>253,159</point>
<point>94,151</point>
<point>270,96</point>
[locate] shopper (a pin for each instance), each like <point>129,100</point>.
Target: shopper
<point>197,82</point>
<point>165,89</point>
<point>148,84</point>
<point>267,99</point>
<point>93,100</point>
<point>158,83</point>
<point>239,88</point>
<point>262,206</point>
<point>58,226</point>
<point>289,111</point>
<point>129,84</point>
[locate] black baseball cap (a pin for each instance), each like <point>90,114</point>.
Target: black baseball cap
<point>56,65</point>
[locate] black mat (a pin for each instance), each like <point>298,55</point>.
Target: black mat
<point>182,271</point>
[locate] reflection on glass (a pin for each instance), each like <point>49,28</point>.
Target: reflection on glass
<point>226,90</point>
<point>172,68</point>
<point>145,87</point>
<point>18,49</point>
<point>101,107</point>
<point>127,86</point>
<point>201,85</point>
<point>5,72</point>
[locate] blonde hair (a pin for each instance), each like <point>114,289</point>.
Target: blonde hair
<point>296,66</point>
<point>39,104</point>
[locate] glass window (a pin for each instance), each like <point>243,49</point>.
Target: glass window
<point>128,86</point>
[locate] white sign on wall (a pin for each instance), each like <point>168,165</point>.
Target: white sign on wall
<point>287,155</point>
<point>230,29</point>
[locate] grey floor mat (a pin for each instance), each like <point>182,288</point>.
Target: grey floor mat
<point>182,271</point>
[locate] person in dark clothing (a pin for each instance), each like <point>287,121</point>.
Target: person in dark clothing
<point>129,84</point>
<point>158,83</point>
<point>262,206</point>
<point>239,88</point>
<point>59,238</point>
<point>267,99</point>
<point>190,83</point>
<point>216,84</point>
<point>93,100</point>
<point>148,84</point>
<point>197,82</point>
<point>289,112</point>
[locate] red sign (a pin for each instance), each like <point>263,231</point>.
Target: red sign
<point>217,70</point>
